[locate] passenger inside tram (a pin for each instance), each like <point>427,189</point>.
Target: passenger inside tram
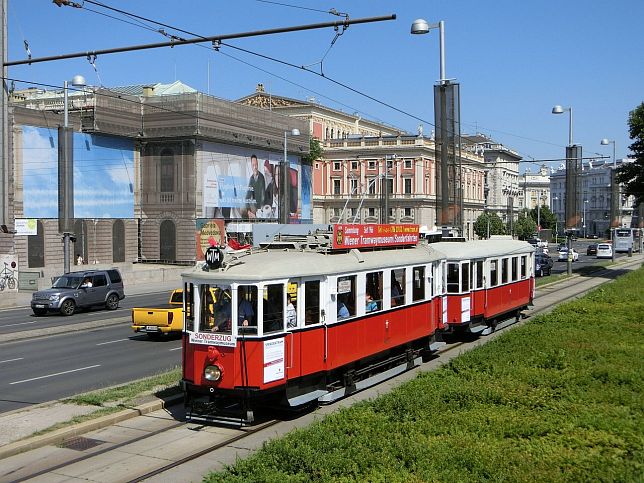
<point>222,309</point>
<point>247,296</point>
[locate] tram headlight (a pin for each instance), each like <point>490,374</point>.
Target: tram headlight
<point>212,373</point>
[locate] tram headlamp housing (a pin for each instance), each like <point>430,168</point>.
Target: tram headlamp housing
<point>212,373</point>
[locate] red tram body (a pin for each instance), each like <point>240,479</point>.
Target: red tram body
<point>298,322</point>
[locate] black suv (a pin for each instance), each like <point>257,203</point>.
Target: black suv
<point>80,290</point>
<point>592,249</point>
<point>542,264</point>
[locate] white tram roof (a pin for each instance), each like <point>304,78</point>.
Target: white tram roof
<point>279,264</point>
<point>478,249</point>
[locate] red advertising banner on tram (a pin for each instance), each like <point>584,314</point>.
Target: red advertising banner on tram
<point>372,236</point>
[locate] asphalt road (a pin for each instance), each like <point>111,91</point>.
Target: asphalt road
<point>580,246</point>
<point>36,370</point>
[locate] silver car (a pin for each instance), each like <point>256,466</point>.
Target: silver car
<point>80,290</point>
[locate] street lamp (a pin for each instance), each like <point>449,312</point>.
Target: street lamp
<point>606,142</point>
<point>421,26</point>
<point>569,188</point>
<point>285,181</point>
<point>584,221</point>
<point>561,110</point>
<point>66,174</point>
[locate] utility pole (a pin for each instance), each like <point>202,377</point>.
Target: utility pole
<point>4,124</point>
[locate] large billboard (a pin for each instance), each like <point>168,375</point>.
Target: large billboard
<point>103,175</point>
<point>244,183</point>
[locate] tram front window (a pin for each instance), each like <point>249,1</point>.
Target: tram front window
<point>216,308</point>
<point>273,308</point>
<point>247,309</point>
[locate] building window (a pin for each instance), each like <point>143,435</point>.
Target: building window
<point>336,166</point>
<point>407,186</point>
<point>167,241</point>
<point>408,163</point>
<point>118,241</point>
<point>409,212</point>
<point>371,165</point>
<point>371,212</point>
<point>337,212</point>
<point>390,164</point>
<point>354,185</point>
<point>336,186</point>
<point>372,186</point>
<point>390,185</point>
<point>167,171</point>
<point>36,247</point>
<point>354,165</point>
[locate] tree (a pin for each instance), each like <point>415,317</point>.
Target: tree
<point>632,174</point>
<point>524,227</point>
<point>545,217</point>
<point>495,225</point>
<point>315,151</point>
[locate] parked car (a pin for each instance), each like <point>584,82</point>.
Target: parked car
<point>604,250</point>
<point>563,255</point>
<point>542,264</point>
<point>80,290</point>
<point>592,249</point>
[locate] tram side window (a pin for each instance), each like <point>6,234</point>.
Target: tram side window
<point>504,270</point>
<point>207,312</point>
<point>312,302</point>
<point>273,308</point>
<point>479,274</point>
<point>398,285</point>
<point>247,308</point>
<point>346,299</point>
<point>189,306</point>
<point>374,291</point>
<point>452,277</point>
<point>524,266</point>
<point>418,292</point>
<point>466,277</point>
<point>494,273</point>
<point>515,269</point>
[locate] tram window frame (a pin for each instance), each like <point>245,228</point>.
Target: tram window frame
<point>479,274</point>
<point>430,279</point>
<point>494,273</point>
<point>251,294</point>
<point>373,286</point>
<point>418,283</point>
<point>524,267</point>
<point>311,302</point>
<point>401,285</point>
<point>465,276</point>
<point>206,308</point>
<point>504,270</point>
<point>515,269</point>
<point>453,277</point>
<point>273,309</point>
<point>188,306</point>
<point>348,298</point>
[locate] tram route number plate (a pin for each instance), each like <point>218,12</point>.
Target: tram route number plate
<point>151,328</point>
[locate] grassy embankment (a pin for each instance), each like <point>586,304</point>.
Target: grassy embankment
<point>558,399</point>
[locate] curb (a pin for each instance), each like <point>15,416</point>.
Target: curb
<point>60,435</point>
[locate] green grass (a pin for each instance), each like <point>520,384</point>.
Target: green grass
<point>557,399</point>
<point>125,395</point>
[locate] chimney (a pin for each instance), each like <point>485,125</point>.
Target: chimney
<point>148,91</point>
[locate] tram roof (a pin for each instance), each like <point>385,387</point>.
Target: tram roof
<point>278,264</point>
<point>482,248</point>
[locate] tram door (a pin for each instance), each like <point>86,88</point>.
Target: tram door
<point>477,293</point>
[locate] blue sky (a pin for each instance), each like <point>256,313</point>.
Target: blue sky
<point>514,60</point>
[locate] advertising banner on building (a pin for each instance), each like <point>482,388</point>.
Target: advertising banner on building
<point>103,174</point>
<point>244,183</point>
<point>372,236</point>
<point>26,226</point>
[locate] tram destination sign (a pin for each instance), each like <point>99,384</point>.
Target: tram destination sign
<point>374,235</point>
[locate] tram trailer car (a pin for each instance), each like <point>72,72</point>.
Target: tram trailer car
<point>487,281</point>
<point>312,334</point>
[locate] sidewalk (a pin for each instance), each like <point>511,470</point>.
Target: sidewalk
<point>137,278</point>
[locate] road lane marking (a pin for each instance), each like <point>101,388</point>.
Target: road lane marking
<point>56,374</point>
<point>21,323</point>
<point>12,360</point>
<point>175,349</point>
<point>112,341</point>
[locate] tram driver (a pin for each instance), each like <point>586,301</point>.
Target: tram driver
<point>245,312</point>
<point>222,311</point>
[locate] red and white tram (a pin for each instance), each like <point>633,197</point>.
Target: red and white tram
<point>486,281</point>
<point>337,341</point>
